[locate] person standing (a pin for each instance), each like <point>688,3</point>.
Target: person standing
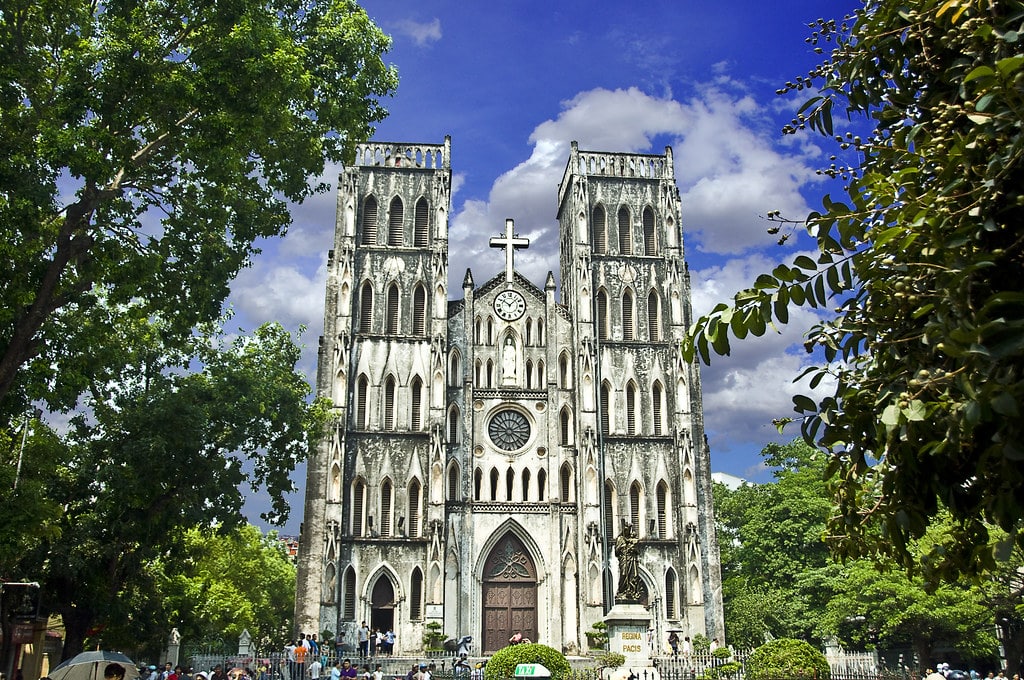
<point>301,651</point>
<point>673,642</point>
<point>315,667</point>
<point>364,640</point>
<point>687,646</point>
<point>336,670</point>
<point>289,658</point>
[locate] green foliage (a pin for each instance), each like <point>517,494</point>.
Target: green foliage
<point>917,277</point>
<point>597,636</point>
<point>701,643</point>
<point>776,571</point>
<point>876,601</point>
<point>147,147</point>
<point>787,658</point>
<point>502,663</point>
<point>610,659</point>
<point>165,450</point>
<point>433,637</point>
<point>219,584</point>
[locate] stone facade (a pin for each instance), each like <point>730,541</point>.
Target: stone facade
<point>486,451</point>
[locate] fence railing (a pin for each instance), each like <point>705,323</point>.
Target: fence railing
<point>697,666</point>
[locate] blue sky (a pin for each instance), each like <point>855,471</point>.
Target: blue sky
<point>514,82</point>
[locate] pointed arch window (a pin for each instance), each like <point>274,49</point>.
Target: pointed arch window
<point>348,611</point>
<point>565,427</point>
<point>631,408</point>
<point>628,315</point>
<point>634,507</point>
<point>494,484</point>
<point>386,496</point>
<point>490,331</point>
<point>650,238</point>
<point>416,594</point>
<point>370,221</point>
<point>658,407</point>
<point>454,369</point>
<point>389,403</point>
<point>529,373</point>
<point>419,310</point>
<point>540,331</point>
<point>600,231</point>
<point>476,330</point>
<point>416,422</point>
<point>662,500</point>
<point>609,513</point>
<point>395,220</point>
<point>606,419</point>
<point>541,378</point>
<point>654,316</point>
<point>421,238</point>
<point>526,484</point>
<point>366,307</point>
<point>478,378</point>
<point>529,330</point>
<point>391,313</point>
<point>565,475</point>
<point>453,482</point>
<point>490,373</point>
<point>478,482</point>
<point>602,314</point>
<point>453,425</point>
<point>670,594</point>
<point>542,484</point>
<point>358,506</point>
<point>510,480</point>
<point>563,371</point>
<point>362,392</point>
<point>414,508</point>
<point>625,232</point>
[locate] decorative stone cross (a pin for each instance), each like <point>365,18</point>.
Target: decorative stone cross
<point>510,242</point>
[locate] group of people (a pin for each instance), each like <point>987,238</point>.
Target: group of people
<point>303,658</point>
<point>375,642</point>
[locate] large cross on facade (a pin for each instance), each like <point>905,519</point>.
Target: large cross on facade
<point>510,242</point>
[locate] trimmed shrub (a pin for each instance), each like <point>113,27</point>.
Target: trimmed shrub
<point>503,662</point>
<point>786,658</point>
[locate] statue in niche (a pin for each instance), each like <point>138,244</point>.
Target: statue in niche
<point>627,549</point>
<point>508,361</point>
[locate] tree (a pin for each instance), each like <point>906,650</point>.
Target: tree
<point>219,584</point>
<point>146,148</point>
<point>162,450</point>
<point>776,571</point>
<point>922,264</point>
<point>883,605</point>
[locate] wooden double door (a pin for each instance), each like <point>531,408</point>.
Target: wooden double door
<point>509,594</point>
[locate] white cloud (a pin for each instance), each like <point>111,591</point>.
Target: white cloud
<point>421,33</point>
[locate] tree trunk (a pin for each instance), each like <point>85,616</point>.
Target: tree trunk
<point>73,242</point>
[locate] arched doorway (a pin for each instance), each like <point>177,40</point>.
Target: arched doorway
<point>382,605</point>
<point>509,594</point>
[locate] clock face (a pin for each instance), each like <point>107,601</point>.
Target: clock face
<point>509,430</point>
<point>509,305</point>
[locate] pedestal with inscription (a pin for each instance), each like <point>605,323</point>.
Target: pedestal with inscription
<point>627,635</point>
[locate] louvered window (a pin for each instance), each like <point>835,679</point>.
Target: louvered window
<point>395,219</point>
<point>370,222</point>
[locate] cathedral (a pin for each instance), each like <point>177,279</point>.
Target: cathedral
<point>489,445</point>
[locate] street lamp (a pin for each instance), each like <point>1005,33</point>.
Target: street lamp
<point>37,413</point>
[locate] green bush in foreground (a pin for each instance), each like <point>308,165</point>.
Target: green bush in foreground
<point>502,663</point>
<point>786,658</point>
